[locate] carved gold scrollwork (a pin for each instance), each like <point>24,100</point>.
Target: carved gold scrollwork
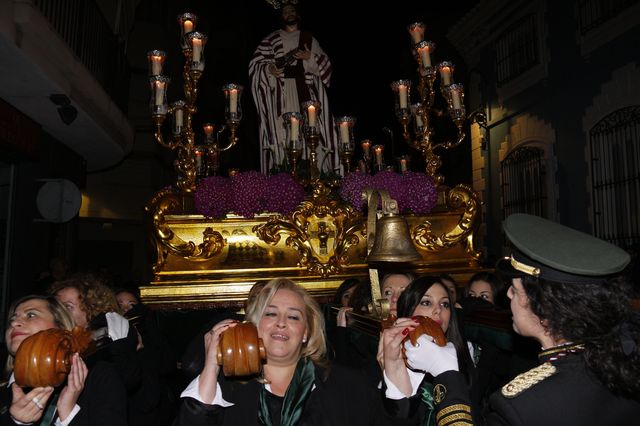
<point>322,230</point>
<point>460,195</point>
<point>166,241</point>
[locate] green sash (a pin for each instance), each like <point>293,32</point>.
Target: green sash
<point>50,412</point>
<point>294,399</point>
<point>426,396</point>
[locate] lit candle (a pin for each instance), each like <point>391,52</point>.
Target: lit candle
<point>197,48</point>
<point>199,161</point>
<point>344,132</point>
<point>419,121</point>
<point>378,151</point>
<point>402,92</point>
<point>208,130</point>
<point>417,32</point>
<point>403,165</point>
<point>365,147</point>
<point>294,128</point>
<point>233,172</point>
<point>455,99</point>
<point>159,93</point>
<point>233,100</point>
<point>187,26</point>
<point>312,115</point>
<point>179,117</point>
<point>425,56</point>
<point>156,65</point>
<point>445,75</point>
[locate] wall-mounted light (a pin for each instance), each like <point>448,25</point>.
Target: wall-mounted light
<point>68,113</point>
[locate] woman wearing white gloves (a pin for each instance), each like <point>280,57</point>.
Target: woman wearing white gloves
<point>410,392</point>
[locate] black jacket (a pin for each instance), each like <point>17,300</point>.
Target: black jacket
<point>343,398</point>
<point>103,402</point>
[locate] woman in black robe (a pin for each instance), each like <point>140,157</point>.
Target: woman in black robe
<point>297,385</point>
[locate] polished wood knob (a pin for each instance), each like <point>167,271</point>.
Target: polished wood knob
<point>427,326</point>
<point>44,359</point>
<point>240,350</point>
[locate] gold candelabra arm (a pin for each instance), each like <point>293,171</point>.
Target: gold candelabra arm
<point>314,172</point>
<point>233,138</point>
<point>158,120</point>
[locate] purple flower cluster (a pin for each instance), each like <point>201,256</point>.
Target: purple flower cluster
<point>285,193</point>
<point>247,194</point>
<point>212,195</point>
<point>414,192</point>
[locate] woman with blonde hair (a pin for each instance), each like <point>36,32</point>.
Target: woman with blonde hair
<point>88,397</point>
<point>297,385</point>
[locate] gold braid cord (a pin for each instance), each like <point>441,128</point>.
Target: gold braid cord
<point>528,379</point>
<point>322,230</point>
<point>460,195</point>
<point>163,203</point>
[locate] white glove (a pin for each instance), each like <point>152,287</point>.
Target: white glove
<point>431,358</point>
<point>117,325</point>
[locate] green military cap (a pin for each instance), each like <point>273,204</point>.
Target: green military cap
<point>555,252</point>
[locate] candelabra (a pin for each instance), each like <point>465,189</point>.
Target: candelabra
<point>347,145</point>
<point>292,122</point>
<point>189,161</point>
<point>311,110</point>
<point>425,111</point>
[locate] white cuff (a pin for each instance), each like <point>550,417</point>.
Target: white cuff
<point>65,422</point>
<point>393,392</point>
<point>192,391</point>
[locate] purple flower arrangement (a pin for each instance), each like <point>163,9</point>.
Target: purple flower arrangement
<point>247,194</point>
<point>415,192</point>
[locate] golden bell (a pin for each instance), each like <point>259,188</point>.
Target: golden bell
<point>393,241</point>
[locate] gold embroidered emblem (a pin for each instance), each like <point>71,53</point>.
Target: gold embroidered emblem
<point>439,392</point>
<point>524,381</point>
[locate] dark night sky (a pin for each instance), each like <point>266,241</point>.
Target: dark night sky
<point>367,54</point>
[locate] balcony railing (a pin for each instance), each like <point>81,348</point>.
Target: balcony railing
<point>84,28</point>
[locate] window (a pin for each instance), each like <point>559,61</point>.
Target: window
<point>615,176</point>
<point>517,50</point>
<point>593,13</point>
<point>523,175</point>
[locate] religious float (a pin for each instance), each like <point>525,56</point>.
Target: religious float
<point>208,256</point>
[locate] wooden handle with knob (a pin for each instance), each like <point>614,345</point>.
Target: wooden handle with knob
<point>240,350</point>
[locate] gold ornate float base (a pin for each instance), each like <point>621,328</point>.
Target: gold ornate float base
<point>205,263</point>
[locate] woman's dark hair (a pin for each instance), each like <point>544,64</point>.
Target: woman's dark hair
<point>600,316</point>
<point>409,301</point>
<point>494,281</point>
<point>361,297</point>
<point>346,285</point>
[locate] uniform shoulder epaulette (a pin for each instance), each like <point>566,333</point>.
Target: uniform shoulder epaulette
<point>528,379</point>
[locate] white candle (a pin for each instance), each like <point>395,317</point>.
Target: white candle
<point>294,128</point>
<point>445,74</point>
<point>365,148</point>
<point>197,49</point>
<point>188,26</point>
<point>419,121</point>
<point>455,99</point>
<point>312,115</point>
<point>402,92</point>
<point>198,161</point>
<point>403,164</point>
<point>378,152</point>
<point>425,56</point>
<point>159,93</point>
<point>156,65</point>
<point>179,117</point>
<point>233,100</point>
<point>208,130</point>
<point>344,132</point>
